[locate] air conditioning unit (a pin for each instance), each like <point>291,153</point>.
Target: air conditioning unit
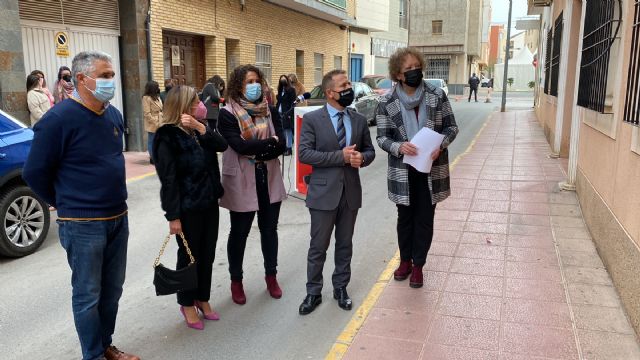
<point>540,3</point>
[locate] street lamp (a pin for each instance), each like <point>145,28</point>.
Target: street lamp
<point>506,60</point>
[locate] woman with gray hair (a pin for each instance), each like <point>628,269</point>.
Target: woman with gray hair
<point>412,105</point>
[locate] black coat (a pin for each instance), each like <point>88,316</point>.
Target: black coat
<point>211,99</point>
<point>263,150</point>
<point>287,101</point>
<point>474,81</point>
<point>188,170</point>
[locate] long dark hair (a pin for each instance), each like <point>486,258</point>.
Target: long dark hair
<point>152,89</point>
<point>217,82</point>
<point>63,68</point>
<point>286,85</point>
<point>32,81</point>
<point>41,74</point>
<point>235,90</point>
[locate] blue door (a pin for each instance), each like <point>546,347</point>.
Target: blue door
<point>356,67</point>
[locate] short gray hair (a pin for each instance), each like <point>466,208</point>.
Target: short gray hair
<point>84,63</point>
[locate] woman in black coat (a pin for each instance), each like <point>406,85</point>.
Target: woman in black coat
<point>286,101</point>
<point>186,160</point>
<point>212,97</point>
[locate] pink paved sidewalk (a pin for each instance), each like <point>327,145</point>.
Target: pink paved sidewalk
<point>512,272</point>
<point>137,164</point>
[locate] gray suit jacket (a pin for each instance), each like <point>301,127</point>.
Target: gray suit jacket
<point>319,148</point>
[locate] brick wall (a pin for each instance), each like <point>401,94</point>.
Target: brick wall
<point>260,22</point>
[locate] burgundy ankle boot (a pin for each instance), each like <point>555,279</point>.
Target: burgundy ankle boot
<point>237,293</point>
<point>403,271</point>
<point>416,277</point>
<point>273,287</point>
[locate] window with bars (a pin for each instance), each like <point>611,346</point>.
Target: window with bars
<point>555,56</point>
<point>547,61</point>
<point>436,27</point>
<point>438,69</point>
<point>599,35</point>
<point>263,60</point>
<point>632,102</point>
<point>318,65</point>
<point>404,10</point>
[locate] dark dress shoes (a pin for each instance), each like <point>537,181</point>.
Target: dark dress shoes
<point>344,301</point>
<point>309,304</point>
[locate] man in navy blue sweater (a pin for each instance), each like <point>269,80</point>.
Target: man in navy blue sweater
<point>76,164</point>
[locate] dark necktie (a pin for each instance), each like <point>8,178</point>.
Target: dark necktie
<point>342,134</point>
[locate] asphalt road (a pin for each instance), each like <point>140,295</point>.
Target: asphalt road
<point>35,294</point>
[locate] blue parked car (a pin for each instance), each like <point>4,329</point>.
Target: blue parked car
<point>24,218</point>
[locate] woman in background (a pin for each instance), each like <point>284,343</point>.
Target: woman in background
<point>37,101</point>
<point>45,89</point>
<point>63,87</point>
<point>152,113</point>
<point>286,99</point>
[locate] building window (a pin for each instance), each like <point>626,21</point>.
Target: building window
<point>263,60</point>
<point>438,69</point>
<point>404,10</point>
<point>555,58</point>
<point>337,62</point>
<point>632,103</point>
<point>300,65</point>
<point>436,27</point>
<point>596,45</point>
<point>318,66</point>
<point>341,4</point>
<point>547,61</point>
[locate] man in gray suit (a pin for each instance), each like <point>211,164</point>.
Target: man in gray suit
<point>335,141</point>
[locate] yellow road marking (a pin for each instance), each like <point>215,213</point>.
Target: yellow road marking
<point>345,339</point>
<point>140,177</point>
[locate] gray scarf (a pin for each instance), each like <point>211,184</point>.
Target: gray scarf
<point>409,103</point>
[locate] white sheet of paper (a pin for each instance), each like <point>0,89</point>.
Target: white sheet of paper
<point>426,140</point>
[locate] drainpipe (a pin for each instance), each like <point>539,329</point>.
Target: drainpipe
<point>576,116</point>
<point>147,25</point>
<point>506,60</point>
<point>562,80</point>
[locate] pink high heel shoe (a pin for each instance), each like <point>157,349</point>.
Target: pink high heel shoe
<point>212,316</point>
<point>199,325</point>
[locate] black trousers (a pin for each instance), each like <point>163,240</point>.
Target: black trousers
<point>473,91</point>
<point>268,215</point>
<point>200,228</point>
<point>415,222</point>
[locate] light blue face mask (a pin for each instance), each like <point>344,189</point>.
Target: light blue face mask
<point>105,89</point>
<point>253,92</point>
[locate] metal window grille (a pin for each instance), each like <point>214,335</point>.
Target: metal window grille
<point>438,69</point>
<point>263,59</point>
<point>436,27</point>
<point>318,65</point>
<point>555,58</point>
<point>337,62</point>
<point>632,103</point>
<point>598,37</point>
<point>404,22</point>
<point>547,61</point>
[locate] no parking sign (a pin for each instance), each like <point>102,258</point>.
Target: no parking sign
<point>62,44</point>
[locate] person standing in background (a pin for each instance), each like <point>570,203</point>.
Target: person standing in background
<point>212,98</point>
<point>152,113</point>
<point>45,89</point>
<point>474,81</point>
<point>37,101</point>
<point>286,98</point>
<point>293,79</point>
<point>63,88</point>
<point>168,84</point>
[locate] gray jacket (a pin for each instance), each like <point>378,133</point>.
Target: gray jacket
<point>331,176</point>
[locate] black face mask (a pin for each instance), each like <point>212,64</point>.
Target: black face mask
<point>346,97</point>
<point>413,77</point>
<point>283,83</point>
<point>66,78</point>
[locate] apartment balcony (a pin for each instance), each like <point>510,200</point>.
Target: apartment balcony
<point>334,11</point>
<point>535,7</point>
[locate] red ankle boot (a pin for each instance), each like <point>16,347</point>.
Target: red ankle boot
<point>237,293</point>
<point>273,287</point>
<point>416,277</point>
<point>403,271</point>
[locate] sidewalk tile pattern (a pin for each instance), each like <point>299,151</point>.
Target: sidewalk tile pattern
<point>512,272</point>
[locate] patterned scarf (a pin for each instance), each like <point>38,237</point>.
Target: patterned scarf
<point>254,120</point>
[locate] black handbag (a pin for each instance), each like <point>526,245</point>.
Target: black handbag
<point>169,281</point>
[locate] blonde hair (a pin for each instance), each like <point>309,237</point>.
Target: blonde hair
<point>179,101</point>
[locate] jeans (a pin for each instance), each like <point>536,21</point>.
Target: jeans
<point>201,231</point>
<point>268,215</point>
<point>288,134</point>
<point>415,222</point>
<point>97,256</point>
<point>150,137</point>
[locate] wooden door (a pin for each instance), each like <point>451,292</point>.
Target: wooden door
<point>189,70</point>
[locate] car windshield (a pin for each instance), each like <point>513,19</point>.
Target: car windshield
<point>372,82</point>
<point>435,82</point>
<point>317,93</point>
<point>385,84</point>
<point>7,124</point>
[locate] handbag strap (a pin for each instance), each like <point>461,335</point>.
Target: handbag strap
<point>164,245</point>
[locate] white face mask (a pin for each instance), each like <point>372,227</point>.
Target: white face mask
<point>105,89</point>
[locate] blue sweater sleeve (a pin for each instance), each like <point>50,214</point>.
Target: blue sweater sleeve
<point>44,157</point>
